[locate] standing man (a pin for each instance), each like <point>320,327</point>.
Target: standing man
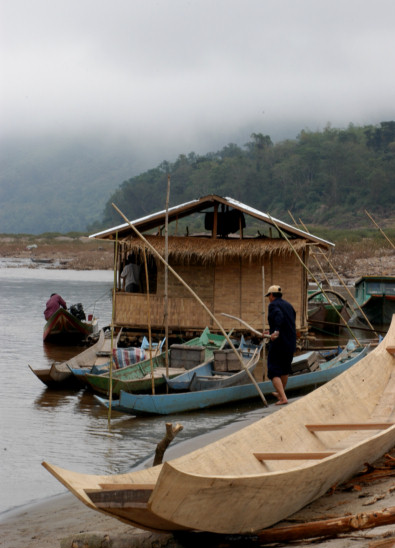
<point>130,275</point>
<point>282,343</point>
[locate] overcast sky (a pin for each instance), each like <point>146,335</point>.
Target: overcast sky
<point>195,74</point>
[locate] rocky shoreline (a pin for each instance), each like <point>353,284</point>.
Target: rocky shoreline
<point>83,253</point>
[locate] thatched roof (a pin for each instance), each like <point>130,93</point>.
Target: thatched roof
<point>209,250</point>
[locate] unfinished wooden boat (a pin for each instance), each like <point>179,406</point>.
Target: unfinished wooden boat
<point>165,404</point>
<point>65,328</point>
<point>141,376</point>
<point>266,471</point>
<point>376,297</point>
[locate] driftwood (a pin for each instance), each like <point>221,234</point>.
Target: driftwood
<point>329,527</point>
<point>171,433</point>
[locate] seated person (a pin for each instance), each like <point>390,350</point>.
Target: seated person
<point>53,304</point>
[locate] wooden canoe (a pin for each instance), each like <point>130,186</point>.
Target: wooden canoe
<point>60,374</point>
<point>216,373</point>
<point>65,328</point>
<point>266,471</point>
<point>326,312</point>
<point>138,377</point>
<point>376,296</point>
<point>166,404</point>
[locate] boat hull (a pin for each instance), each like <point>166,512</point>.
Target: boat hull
<point>263,473</point>
<point>64,328</point>
<point>166,404</point>
<point>375,295</point>
<point>379,309</point>
<point>138,377</point>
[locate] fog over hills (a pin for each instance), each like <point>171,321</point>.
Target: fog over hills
<point>60,184</point>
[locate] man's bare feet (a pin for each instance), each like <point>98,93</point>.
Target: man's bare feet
<point>276,395</point>
<point>281,402</point>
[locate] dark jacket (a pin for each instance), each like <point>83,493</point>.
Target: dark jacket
<point>282,319</point>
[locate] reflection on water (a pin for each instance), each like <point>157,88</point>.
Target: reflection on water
<point>67,428</point>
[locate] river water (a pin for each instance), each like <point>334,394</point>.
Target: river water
<point>67,428</point>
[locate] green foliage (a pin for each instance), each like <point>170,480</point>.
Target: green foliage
<point>325,178</point>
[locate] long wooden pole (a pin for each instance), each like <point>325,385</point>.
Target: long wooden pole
<point>282,233</point>
<point>167,279</point>
<point>264,367</point>
<point>198,299</point>
<point>382,232</point>
<point>246,324</point>
<point>149,322</point>
<point>343,284</point>
<point>112,326</point>
<point>325,276</point>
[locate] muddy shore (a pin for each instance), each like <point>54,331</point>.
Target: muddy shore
<point>86,254</point>
<point>63,521</point>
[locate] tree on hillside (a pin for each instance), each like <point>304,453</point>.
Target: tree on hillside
<point>325,177</point>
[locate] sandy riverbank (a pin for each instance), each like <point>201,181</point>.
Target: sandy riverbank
<point>63,519</point>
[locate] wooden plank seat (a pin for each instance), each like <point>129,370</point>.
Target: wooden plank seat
<point>391,350</point>
<point>293,456</point>
<point>348,426</point>
<point>114,495</point>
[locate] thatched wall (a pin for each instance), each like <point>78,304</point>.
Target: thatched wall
<point>227,275</point>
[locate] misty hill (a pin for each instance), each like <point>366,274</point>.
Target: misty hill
<point>324,178</point>
<point>59,184</point>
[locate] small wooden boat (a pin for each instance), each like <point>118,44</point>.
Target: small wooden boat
<point>222,370</point>
<point>376,297</point>
<point>141,376</point>
<point>41,261</point>
<point>326,311</point>
<point>165,404</point>
<point>60,375</point>
<point>65,328</point>
<point>266,471</point>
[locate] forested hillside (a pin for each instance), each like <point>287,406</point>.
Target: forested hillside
<point>325,178</point>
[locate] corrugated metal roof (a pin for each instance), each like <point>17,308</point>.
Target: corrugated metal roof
<point>155,220</point>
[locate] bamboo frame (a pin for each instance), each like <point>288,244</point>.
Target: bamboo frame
<point>199,301</point>
<point>312,275</point>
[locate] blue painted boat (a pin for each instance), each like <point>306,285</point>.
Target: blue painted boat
<point>138,377</point>
<point>165,404</point>
<point>208,376</point>
<point>376,297</point>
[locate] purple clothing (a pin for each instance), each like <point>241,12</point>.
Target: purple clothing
<point>53,304</point>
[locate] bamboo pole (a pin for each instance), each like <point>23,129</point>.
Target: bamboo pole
<point>343,284</point>
<point>314,255</point>
<point>149,322</point>
<point>382,232</point>
<point>246,324</point>
<point>264,368</point>
<point>282,233</point>
<point>112,327</point>
<point>166,303</point>
<point>180,279</point>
